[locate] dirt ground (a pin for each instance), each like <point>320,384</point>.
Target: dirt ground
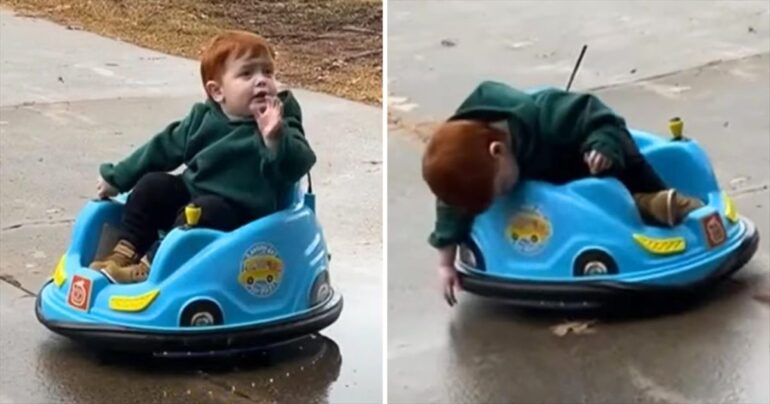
<point>332,46</point>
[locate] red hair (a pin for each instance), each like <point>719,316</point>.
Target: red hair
<point>231,44</point>
<point>458,166</point>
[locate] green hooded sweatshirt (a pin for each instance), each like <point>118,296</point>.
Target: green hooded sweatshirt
<point>551,131</point>
<point>223,157</point>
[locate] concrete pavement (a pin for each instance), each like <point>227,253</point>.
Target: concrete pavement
<point>482,351</point>
<point>70,100</point>
<point>438,51</point>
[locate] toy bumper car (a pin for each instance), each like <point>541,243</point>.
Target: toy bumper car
<point>208,290</point>
<point>584,244</point>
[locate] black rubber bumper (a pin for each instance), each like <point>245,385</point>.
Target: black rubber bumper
<point>126,339</point>
<point>586,294</point>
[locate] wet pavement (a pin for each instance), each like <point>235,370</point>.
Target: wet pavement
<point>70,100</point>
<point>484,351</point>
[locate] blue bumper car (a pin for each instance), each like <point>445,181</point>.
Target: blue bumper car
<point>584,244</point>
<point>207,291</point>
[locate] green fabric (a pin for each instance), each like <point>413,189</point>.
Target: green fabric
<point>552,130</point>
<point>223,157</point>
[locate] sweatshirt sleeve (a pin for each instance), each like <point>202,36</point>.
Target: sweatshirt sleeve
<point>164,152</point>
<point>585,120</point>
<point>293,158</point>
<point>452,226</point>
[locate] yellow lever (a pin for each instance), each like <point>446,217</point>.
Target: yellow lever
<point>676,125</point>
<point>192,214</point>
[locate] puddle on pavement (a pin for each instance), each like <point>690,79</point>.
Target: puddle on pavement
<point>300,371</point>
<point>308,369</point>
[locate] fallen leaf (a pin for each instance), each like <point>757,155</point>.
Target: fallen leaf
<point>575,327</point>
<point>448,43</point>
<point>752,30</point>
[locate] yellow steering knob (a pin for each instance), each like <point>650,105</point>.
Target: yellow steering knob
<point>192,214</point>
<point>675,125</point>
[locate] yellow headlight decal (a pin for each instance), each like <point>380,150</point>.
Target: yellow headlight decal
<point>730,211</point>
<point>133,303</point>
<point>59,273</point>
<point>661,246</point>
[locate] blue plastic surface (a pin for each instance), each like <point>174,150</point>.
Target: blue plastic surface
<point>195,265</point>
<point>600,214</point>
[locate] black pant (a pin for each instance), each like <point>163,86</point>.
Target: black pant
<point>157,202</point>
<point>638,175</point>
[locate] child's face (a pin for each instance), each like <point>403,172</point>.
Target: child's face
<point>247,85</point>
<point>507,173</point>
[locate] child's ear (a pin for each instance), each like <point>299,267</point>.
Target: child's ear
<point>496,149</point>
<point>214,90</point>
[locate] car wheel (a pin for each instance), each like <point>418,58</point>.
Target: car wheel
<point>270,279</point>
<point>321,289</point>
<point>533,238</point>
<point>202,313</point>
<point>594,262</point>
<point>250,280</point>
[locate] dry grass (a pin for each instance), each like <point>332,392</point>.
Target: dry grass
<point>332,46</point>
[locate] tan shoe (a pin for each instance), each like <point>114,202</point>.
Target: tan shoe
<point>124,254</point>
<point>129,274</point>
<point>667,207</point>
<point>685,205</point>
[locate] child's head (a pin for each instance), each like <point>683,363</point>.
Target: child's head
<point>237,72</point>
<point>468,163</point>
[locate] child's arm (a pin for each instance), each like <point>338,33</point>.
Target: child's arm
<point>584,120</point>
<point>164,152</point>
<point>447,273</point>
<point>452,226</point>
<point>290,156</point>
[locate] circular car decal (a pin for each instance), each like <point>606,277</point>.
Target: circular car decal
<point>261,270</point>
<point>529,230</point>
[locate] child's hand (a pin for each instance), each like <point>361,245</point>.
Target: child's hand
<point>597,162</point>
<point>269,119</point>
<point>104,189</point>
<point>450,283</point>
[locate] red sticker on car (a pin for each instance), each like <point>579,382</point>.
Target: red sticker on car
<point>79,295</point>
<point>714,230</point>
